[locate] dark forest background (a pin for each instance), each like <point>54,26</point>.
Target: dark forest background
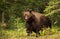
<point>12,23</point>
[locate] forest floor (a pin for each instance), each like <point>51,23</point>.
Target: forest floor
<point>54,36</point>
<point>14,34</point>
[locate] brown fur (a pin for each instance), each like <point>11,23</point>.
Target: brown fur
<point>35,22</point>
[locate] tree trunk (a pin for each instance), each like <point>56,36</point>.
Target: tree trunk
<point>3,21</point>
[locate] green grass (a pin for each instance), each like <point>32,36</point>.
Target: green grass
<point>21,34</point>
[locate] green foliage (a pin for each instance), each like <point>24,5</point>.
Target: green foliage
<point>16,34</point>
<point>13,16</point>
<point>53,10</point>
<point>15,23</point>
<point>54,6</point>
<point>13,10</point>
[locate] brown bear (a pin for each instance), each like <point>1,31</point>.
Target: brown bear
<point>35,22</point>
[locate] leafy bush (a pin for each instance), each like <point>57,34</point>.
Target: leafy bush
<point>15,23</point>
<point>53,10</point>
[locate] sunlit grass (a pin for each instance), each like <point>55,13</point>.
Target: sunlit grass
<point>16,34</point>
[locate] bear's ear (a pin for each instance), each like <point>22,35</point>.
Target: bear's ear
<point>30,11</point>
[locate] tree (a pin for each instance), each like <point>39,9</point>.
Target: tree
<point>53,10</point>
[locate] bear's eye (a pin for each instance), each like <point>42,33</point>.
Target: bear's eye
<point>26,15</point>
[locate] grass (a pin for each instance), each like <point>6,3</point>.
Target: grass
<point>21,34</point>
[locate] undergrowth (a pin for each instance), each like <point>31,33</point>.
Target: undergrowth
<point>13,34</point>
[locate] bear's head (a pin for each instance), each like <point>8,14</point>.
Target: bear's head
<point>27,15</point>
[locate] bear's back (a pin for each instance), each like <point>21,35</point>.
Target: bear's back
<point>38,16</point>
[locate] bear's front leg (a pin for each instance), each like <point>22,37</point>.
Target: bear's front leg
<point>29,29</point>
<point>37,32</point>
